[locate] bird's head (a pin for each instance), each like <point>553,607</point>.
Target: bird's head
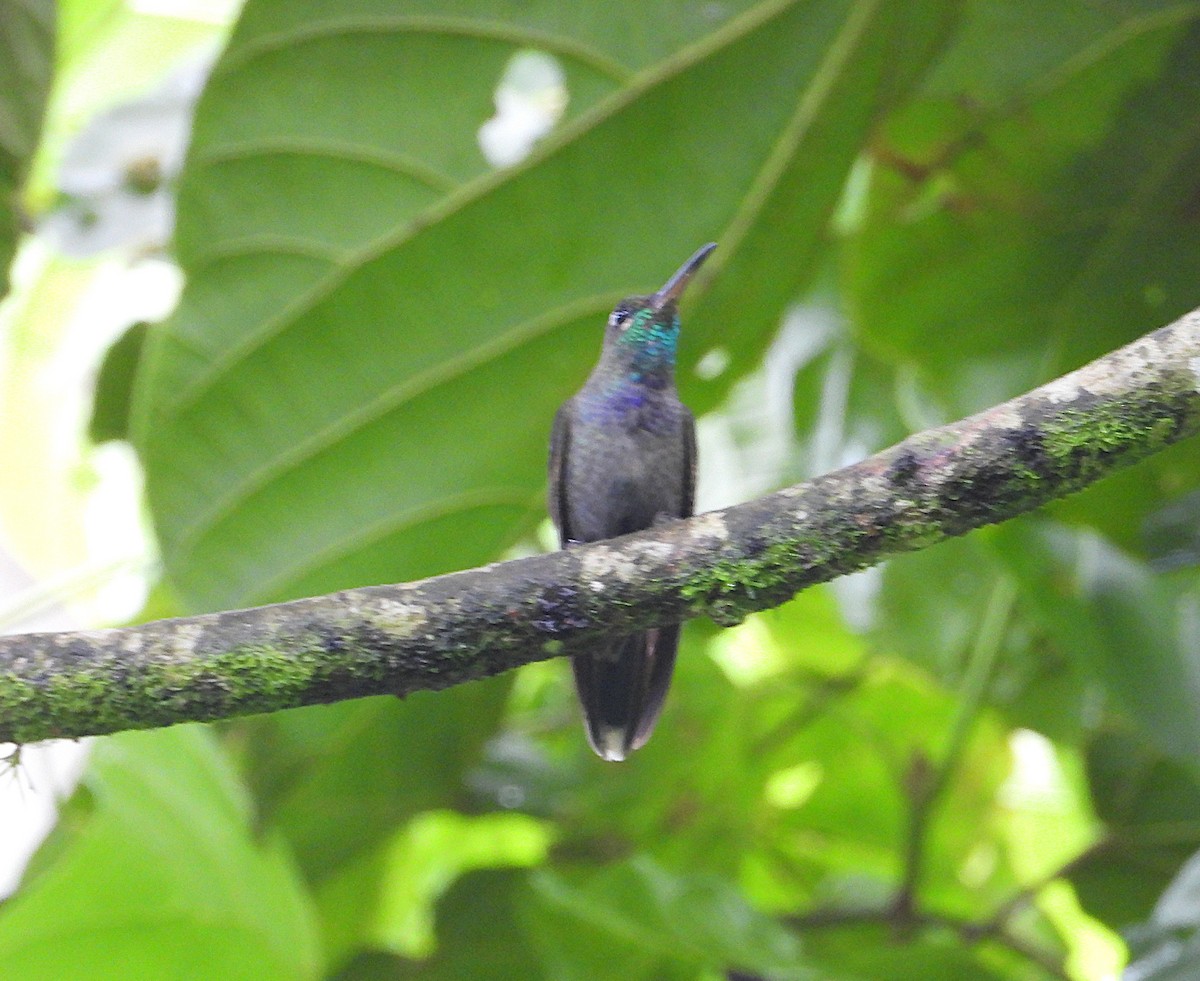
<point>643,331</point>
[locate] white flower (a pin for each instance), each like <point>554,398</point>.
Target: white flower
<point>117,175</point>
<point>530,99</point>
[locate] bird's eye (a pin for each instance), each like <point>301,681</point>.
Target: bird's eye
<point>619,317</point>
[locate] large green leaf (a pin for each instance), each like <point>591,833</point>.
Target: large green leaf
<point>376,331</point>
<point>846,407</point>
<point>1036,210</point>
<point>636,919</point>
<point>1048,231</point>
<point>1150,806</point>
<point>114,385</point>
<point>994,61</point>
<point>165,879</point>
<point>1132,630</point>
<point>336,780</point>
<point>706,755</point>
<point>479,933</point>
<point>932,605</point>
<point>870,953</point>
<point>26,68</point>
<point>387,902</point>
<point>880,743</point>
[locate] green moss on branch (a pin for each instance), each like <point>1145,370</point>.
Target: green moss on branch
<point>451,629</point>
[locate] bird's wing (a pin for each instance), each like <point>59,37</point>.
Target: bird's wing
<point>556,492</point>
<point>687,505</point>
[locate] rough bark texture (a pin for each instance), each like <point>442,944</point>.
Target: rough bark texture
<point>724,564</point>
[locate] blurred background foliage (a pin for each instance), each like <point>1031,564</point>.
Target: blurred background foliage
<point>400,227</point>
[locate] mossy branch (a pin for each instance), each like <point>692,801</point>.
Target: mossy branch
<point>725,564</point>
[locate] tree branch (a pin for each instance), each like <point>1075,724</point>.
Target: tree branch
<point>725,564</point>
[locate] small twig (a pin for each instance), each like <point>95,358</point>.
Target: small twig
<point>1026,896</point>
<point>904,918</point>
<point>904,922</point>
<point>924,788</point>
<point>969,931</point>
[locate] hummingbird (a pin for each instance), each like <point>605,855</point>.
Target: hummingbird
<point>623,458</point>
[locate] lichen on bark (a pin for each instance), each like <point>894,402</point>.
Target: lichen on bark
<point>451,629</point>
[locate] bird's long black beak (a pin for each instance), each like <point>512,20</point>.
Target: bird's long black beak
<point>678,283</point>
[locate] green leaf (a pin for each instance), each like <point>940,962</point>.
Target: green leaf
<point>1003,242</point>
<point>1148,657</point>
<point>806,639</point>
<point>932,605</point>
<point>386,900</point>
<point>637,919</point>
<point>1172,533</point>
<point>846,408</point>
<point>26,69</point>
<point>80,22</point>
<point>164,880</point>
<point>1131,629</point>
<point>1057,228</point>
<point>1149,804</point>
<point>337,780</point>
<point>870,953</point>
<point>835,809</point>
<point>356,387</point>
<point>480,934</point>
<point>786,214</point>
<point>114,386</point>
<point>704,751</point>
<point>993,63</point>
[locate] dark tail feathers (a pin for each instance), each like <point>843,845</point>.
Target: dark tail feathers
<point>622,687</point>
